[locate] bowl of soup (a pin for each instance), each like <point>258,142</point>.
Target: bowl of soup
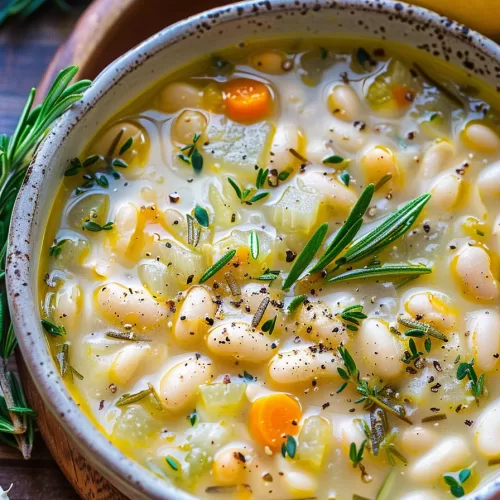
<point>260,258</point>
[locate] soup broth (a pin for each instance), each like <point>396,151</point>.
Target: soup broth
<point>274,275</point>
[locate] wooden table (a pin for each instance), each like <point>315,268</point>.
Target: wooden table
<point>26,48</point>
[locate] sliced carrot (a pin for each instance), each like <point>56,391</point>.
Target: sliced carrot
<point>274,417</point>
<point>247,100</point>
<point>402,95</point>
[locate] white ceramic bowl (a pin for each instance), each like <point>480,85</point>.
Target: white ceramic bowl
<point>135,72</point>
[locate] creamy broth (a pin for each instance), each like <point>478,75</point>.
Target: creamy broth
<point>241,382</point>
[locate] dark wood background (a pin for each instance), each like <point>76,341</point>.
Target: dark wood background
<point>26,48</point>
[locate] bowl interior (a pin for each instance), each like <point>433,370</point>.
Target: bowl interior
<point>131,75</point>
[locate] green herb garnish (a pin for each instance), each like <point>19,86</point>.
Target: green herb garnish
<point>201,215</point>
<point>128,398</point>
<point>289,447</point>
<point>261,177</point>
<point>95,227</point>
<point>254,244</point>
<point>191,155</point>
<point>193,418</point>
<point>217,266</point>
<point>384,180</point>
<point>413,354</point>
<point>352,315</point>
<point>306,256</point>
<point>345,178</point>
<point>355,455</point>
<point>296,302</point>
<point>476,384</point>
<point>334,160</point>
<point>56,249</point>
<point>347,232</point>
<point>420,329</point>
<point>283,175</point>
<point>268,326</point>
<point>385,271</point>
<point>455,482</point>
<point>52,329</point>
<point>174,464</point>
<point>268,275</point>
<point>243,194</point>
<point>247,377</point>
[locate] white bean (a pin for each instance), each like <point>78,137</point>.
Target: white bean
<point>421,495</point>
<point>301,365</point>
<point>334,193</point>
<point>124,306</point>
<point>126,363</point>
<point>377,163</point>
<point>345,136</point>
<point>446,191</point>
<point>488,181</point>
<point>176,96</point>
<point>269,61</point>
<point>285,138</point>
<point>318,324</point>
<point>472,270</point>
<point>241,341</point>
<point>449,455</point>
<point>230,465</point>
<point>481,138</point>
<point>436,159</point>
<point>126,224</point>
<point>194,316</point>
<point>187,124</point>
<point>484,339</point>
<point>380,348</point>
<point>300,483</point>
<point>430,308</point>
<point>344,103</point>
<point>487,430</point>
<point>181,383</point>
<point>416,440</point>
<point>68,304</point>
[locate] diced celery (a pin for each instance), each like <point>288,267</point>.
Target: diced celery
<point>204,439</point>
<point>296,211</point>
<point>72,254</point>
<point>314,437</point>
<point>223,399</point>
<point>158,279</point>
<point>135,426</point>
<point>88,207</point>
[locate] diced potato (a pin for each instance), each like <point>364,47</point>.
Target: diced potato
<point>135,426</point>
<point>224,209</point>
<point>237,147</point>
<point>73,254</point>
<point>223,399</point>
<point>158,279</point>
<point>88,207</point>
<point>68,304</point>
<point>126,225</point>
<point>296,211</point>
<point>314,438</point>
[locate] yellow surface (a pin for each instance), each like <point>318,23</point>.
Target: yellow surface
<point>480,15</point>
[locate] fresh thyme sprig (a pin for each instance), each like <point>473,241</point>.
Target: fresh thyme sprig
<point>243,194</point>
<point>356,457</point>
<point>191,155</point>
<point>15,154</point>
<point>369,395</point>
<point>352,315</point>
<point>476,384</point>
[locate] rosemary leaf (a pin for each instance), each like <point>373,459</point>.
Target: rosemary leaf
<point>128,398</point>
<point>52,329</point>
<point>420,326</point>
<point>128,336</point>
<point>254,244</point>
<point>236,188</point>
<point>386,271</point>
<point>306,256</point>
<point>217,266</point>
<point>347,232</point>
<point>257,197</point>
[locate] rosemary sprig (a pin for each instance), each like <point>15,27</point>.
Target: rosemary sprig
<point>217,266</point>
<point>254,244</point>
<point>420,329</point>
<point>386,271</point>
<point>383,235</point>
<point>352,315</point>
<point>347,232</point>
<point>306,256</point>
<point>15,154</point>
<point>369,395</point>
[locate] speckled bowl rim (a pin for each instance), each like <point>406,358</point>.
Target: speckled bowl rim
<point>128,476</point>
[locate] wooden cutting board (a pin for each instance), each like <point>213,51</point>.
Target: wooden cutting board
<point>106,30</point>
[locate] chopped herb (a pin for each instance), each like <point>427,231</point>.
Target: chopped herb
<point>384,180</point>
<point>54,330</point>
<point>257,197</point>
<point>126,146</point>
<point>259,314</point>
<point>194,231</point>
<point>419,329</point>
<point>356,456</point>
<point>217,266</point>
<point>306,256</point>
<point>345,178</point>
<point>296,302</point>
<point>254,244</point>
<point>233,284</point>
<point>243,194</point>
<point>283,175</point>
<point>247,377</point>
<point>191,155</point>
<point>289,447</point>
<point>193,418</point>
<point>173,462</point>
<point>476,384</point>
<point>95,227</point>
<point>56,249</point>
<point>269,325</point>
<point>352,315</point>
<point>128,336</point>
<point>434,418</point>
<point>386,271</point>
<point>128,398</point>
<point>201,215</point>
<point>455,482</point>
<point>428,345</point>
<point>261,177</point>
<point>413,354</point>
<point>334,160</point>
<point>268,275</point>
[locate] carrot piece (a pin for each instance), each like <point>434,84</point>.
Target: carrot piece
<point>247,100</point>
<point>402,95</point>
<point>274,417</point>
